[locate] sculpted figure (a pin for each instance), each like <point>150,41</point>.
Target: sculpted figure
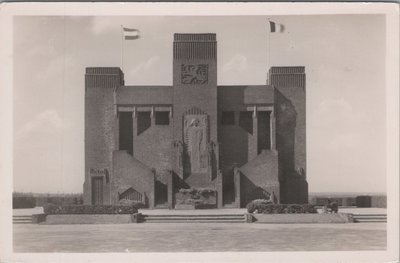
<point>196,144</point>
<point>271,198</point>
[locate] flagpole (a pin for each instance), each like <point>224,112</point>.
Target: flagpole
<point>122,48</point>
<point>268,47</point>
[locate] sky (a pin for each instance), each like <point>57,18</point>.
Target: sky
<point>344,57</point>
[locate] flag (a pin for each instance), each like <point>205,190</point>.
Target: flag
<point>130,33</point>
<point>274,27</point>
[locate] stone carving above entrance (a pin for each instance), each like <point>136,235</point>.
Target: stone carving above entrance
<point>196,143</point>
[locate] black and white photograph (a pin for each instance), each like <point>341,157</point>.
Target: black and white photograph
<point>221,132</point>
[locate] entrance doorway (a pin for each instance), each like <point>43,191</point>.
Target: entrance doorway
<point>97,190</point>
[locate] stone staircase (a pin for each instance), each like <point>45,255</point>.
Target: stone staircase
<point>370,218</point>
<point>188,218</point>
<point>22,219</point>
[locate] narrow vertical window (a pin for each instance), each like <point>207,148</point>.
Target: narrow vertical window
<point>162,117</point>
<point>126,132</point>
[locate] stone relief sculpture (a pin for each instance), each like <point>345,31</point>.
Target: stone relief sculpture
<point>301,172</point>
<point>196,141</point>
<point>194,73</point>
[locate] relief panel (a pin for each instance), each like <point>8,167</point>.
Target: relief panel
<point>196,142</point>
<point>194,73</point>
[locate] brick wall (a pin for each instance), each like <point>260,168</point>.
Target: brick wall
<point>153,147</point>
<point>129,172</point>
<point>234,140</point>
<point>260,174</point>
<point>290,112</point>
<point>142,95</point>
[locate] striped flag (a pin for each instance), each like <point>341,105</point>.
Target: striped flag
<point>130,33</point>
<point>274,27</point>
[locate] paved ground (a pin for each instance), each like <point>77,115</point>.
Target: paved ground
<point>170,237</point>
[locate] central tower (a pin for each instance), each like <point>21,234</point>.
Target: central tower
<point>195,108</point>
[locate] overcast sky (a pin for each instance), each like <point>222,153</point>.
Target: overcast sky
<point>344,56</point>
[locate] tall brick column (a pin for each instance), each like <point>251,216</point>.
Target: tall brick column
<point>101,129</point>
<point>195,93</point>
<point>253,144</point>
<point>272,130</point>
<point>236,178</point>
<point>220,183</point>
<point>170,186</point>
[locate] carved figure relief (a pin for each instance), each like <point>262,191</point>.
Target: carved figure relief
<point>194,73</point>
<point>196,141</point>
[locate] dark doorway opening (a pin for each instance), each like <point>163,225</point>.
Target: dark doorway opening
<point>97,190</point>
<point>229,188</point>
<point>161,195</point>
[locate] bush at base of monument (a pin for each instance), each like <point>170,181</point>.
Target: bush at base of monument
<point>89,209</point>
<point>199,198</point>
<point>133,203</point>
<point>263,207</point>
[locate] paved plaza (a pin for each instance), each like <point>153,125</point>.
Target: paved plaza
<point>206,237</point>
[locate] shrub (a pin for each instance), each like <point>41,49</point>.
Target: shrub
<point>136,204</point>
<point>262,206</point>
<point>198,197</point>
<point>23,202</point>
<point>89,209</point>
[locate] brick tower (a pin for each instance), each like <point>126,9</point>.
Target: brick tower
<point>195,105</point>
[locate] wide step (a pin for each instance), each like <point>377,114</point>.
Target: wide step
<point>219,218</point>
<point>22,219</point>
<point>370,218</point>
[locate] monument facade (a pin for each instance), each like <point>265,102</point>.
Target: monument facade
<point>145,143</point>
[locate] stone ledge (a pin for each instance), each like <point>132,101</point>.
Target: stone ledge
<point>299,218</point>
<point>38,218</point>
<point>91,219</point>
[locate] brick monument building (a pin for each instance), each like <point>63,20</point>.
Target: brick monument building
<point>145,143</point>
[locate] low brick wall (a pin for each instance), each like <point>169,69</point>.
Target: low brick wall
<point>38,218</point>
<point>91,219</point>
<point>300,218</point>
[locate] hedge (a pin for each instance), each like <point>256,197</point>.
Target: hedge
<point>59,200</point>
<point>89,209</point>
<point>264,207</point>
<point>29,200</point>
<point>23,202</point>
